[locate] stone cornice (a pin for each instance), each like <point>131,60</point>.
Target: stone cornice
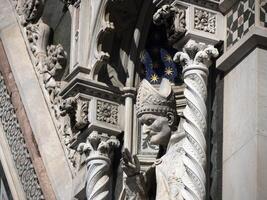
<point>256,37</point>
<point>211,4</point>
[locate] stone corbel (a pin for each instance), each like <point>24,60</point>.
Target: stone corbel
<point>173,17</point>
<point>185,21</point>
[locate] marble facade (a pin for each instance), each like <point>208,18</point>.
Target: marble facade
<point>82,81</point>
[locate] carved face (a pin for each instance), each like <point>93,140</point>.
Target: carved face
<point>157,127</point>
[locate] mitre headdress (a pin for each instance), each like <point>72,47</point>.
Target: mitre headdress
<point>152,100</point>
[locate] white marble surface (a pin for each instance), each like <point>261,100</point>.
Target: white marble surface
<point>240,173</point>
<point>245,129</point>
<point>37,111</point>
<point>240,118</point>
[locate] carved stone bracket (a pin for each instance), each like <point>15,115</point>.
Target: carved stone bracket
<point>185,21</point>
<point>99,152</point>
<point>173,18</point>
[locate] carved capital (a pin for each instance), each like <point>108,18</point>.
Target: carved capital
<point>196,56</point>
<point>99,151</point>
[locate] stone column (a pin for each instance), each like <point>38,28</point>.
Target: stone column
<point>195,60</point>
<point>99,152</point>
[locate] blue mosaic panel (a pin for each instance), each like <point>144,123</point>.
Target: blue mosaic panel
<point>263,13</point>
<point>239,21</point>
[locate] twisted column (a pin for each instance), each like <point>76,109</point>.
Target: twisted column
<point>99,151</point>
<point>195,60</point>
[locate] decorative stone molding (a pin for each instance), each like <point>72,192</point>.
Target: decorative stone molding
<point>17,146</point>
<point>99,152</point>
<point>54,61</point>
<point>205,21</point>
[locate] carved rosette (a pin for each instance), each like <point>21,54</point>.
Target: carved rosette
<point>195,60</point>
<point>99,152</point>
<point>107,112</point>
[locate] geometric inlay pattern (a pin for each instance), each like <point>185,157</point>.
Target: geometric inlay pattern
<point>239,20</point>
<point>18,148</point>
<point>263,13</point>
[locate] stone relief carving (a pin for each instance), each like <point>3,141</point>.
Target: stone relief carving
<point>180,168</point>
<point>205,21</point>
<point>99,152</point>
<point>55,61</point>
<point>73,117</point>
<point>174,20</point>
<point>32,11</point>
<point>17,146</point>
<point>107,112</point>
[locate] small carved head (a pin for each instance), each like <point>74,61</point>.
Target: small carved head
<point>156,111</point>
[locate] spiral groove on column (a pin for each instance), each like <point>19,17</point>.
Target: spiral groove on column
<point>98,180</point>
<point>195,127</point>
<point>195,61</point>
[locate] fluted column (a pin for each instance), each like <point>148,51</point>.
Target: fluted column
<point>99,152</point>
<point>195,60</point>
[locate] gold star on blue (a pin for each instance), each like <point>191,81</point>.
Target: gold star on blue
<point>154,78</point>
<point>167,58</point>
<point>169,71</point>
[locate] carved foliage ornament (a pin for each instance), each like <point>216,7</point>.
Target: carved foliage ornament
<point>107,112</point>
<point>17,146</point>
<point>205,21</point>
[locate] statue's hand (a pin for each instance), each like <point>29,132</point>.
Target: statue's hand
<point>130,164</point>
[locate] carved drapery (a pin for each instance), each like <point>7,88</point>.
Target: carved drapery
<point>195,59</point>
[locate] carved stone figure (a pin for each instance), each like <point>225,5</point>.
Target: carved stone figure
<point>174,20</point>
<point>179,171</point>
